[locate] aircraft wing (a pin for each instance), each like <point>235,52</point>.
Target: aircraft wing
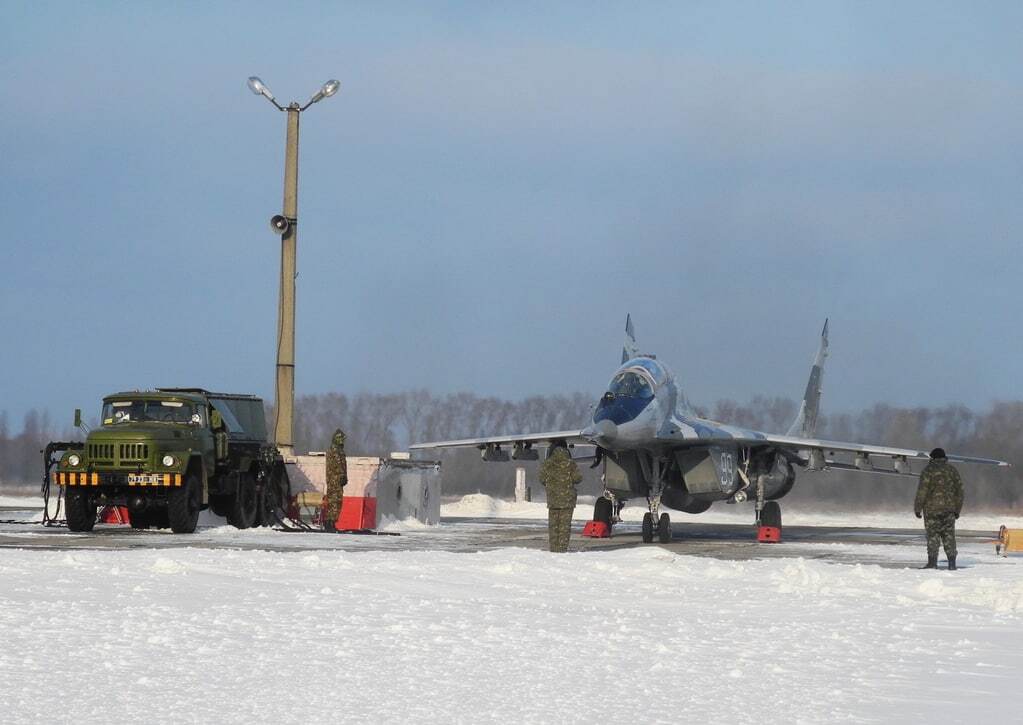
<point>830,447</point>
<point>572,437</point>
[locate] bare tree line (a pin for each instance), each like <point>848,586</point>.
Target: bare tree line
<point>377,424</point>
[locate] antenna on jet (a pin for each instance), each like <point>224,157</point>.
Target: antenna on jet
<point>629,349</point>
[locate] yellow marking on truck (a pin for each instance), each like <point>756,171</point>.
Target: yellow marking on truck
<point>95,479</point>
<point>177,479</point>
<point>166,479</point>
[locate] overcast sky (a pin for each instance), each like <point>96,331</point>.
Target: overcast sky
<point>492,191</point>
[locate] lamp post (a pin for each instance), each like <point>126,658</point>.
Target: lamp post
<point>286,224</point>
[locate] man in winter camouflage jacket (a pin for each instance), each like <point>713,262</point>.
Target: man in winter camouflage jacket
<point>939,499</point>
<point>559,475</point>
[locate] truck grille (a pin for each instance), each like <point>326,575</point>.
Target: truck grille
<point>101,451</point>
<point>133,452</point>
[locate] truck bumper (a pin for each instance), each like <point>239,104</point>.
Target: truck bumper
<point>131,480</point>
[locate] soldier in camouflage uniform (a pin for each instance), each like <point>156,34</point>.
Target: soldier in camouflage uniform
<point>337,479</point>
<point>939,499</point>
<point>559,475</point>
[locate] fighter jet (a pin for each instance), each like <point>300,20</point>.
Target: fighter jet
<point>652,445</point>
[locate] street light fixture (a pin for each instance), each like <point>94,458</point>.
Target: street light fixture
<point>286,224</point>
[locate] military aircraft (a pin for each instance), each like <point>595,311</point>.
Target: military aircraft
<point>653,445</point>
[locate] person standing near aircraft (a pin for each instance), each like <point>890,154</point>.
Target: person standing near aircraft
<point>337,479</point>
<point>939,499</point>
<point>560,476</point>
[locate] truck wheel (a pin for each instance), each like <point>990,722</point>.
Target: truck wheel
<point>242,512</point>
<point>139,519</point>
<point>220,505</point>
<point>81,514</point>
<point>183,505</point>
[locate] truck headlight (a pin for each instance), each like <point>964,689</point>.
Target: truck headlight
<point>74,459</point>
<point>169,461</point>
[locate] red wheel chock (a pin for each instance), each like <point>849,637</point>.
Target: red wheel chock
<point>769,535</point>
<point>596,530</point>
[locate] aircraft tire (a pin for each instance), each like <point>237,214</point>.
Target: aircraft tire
<point>648,527</point>
<point>771,515</point>
<point>664,529</point>
<point>602,511</point>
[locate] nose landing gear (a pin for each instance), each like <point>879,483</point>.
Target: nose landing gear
<point>662,527</point>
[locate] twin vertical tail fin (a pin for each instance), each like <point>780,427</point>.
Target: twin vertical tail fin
<point>629,349</point>
<point>805,424</point>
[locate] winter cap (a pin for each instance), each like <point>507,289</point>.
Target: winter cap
<point>938,453</point>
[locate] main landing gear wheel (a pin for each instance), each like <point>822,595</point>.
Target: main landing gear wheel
<point>602,511</point>
<point>648,527</point>
<point>771,515</point>
<point>664,529</point>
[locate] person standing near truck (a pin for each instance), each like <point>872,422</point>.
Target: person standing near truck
<point>337,479</point>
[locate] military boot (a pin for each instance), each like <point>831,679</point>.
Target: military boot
<point>951,563</point>
<point>932,562</point>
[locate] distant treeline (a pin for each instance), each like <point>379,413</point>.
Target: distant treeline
<point>377,424</point>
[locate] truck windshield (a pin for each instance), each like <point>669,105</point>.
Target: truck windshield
<point>159,411</point>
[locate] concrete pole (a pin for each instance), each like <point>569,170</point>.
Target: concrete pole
<point>520,485</point>
<point>285,392</point>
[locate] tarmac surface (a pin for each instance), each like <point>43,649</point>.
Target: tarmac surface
<point>863,545</point>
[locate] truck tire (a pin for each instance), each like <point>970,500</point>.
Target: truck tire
<point>81,514</point>
<point>183,505</point>
<point>220,505</point>
<point>242,512</point>
<point>139,519</point>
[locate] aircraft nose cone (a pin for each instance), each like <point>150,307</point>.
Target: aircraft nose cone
<point>602,430</point>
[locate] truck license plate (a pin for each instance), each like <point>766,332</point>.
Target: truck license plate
<point>145,478</point>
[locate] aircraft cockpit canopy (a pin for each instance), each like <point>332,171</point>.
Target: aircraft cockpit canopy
<point>628,394</point>
<point>630,385</point>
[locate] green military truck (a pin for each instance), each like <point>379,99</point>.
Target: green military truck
<point>168,453</point>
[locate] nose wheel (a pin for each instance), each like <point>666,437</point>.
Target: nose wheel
<point>662,529</point>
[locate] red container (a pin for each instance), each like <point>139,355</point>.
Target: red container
<point>357,512</point>
<point>596,530</point>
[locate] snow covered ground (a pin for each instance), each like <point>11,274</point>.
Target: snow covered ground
<point>511,635</point>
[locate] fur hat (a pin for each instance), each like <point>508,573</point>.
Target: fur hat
<point>938,453</point>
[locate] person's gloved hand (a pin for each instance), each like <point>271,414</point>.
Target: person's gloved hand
<point>918,514</point>
<point>957,515</point>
